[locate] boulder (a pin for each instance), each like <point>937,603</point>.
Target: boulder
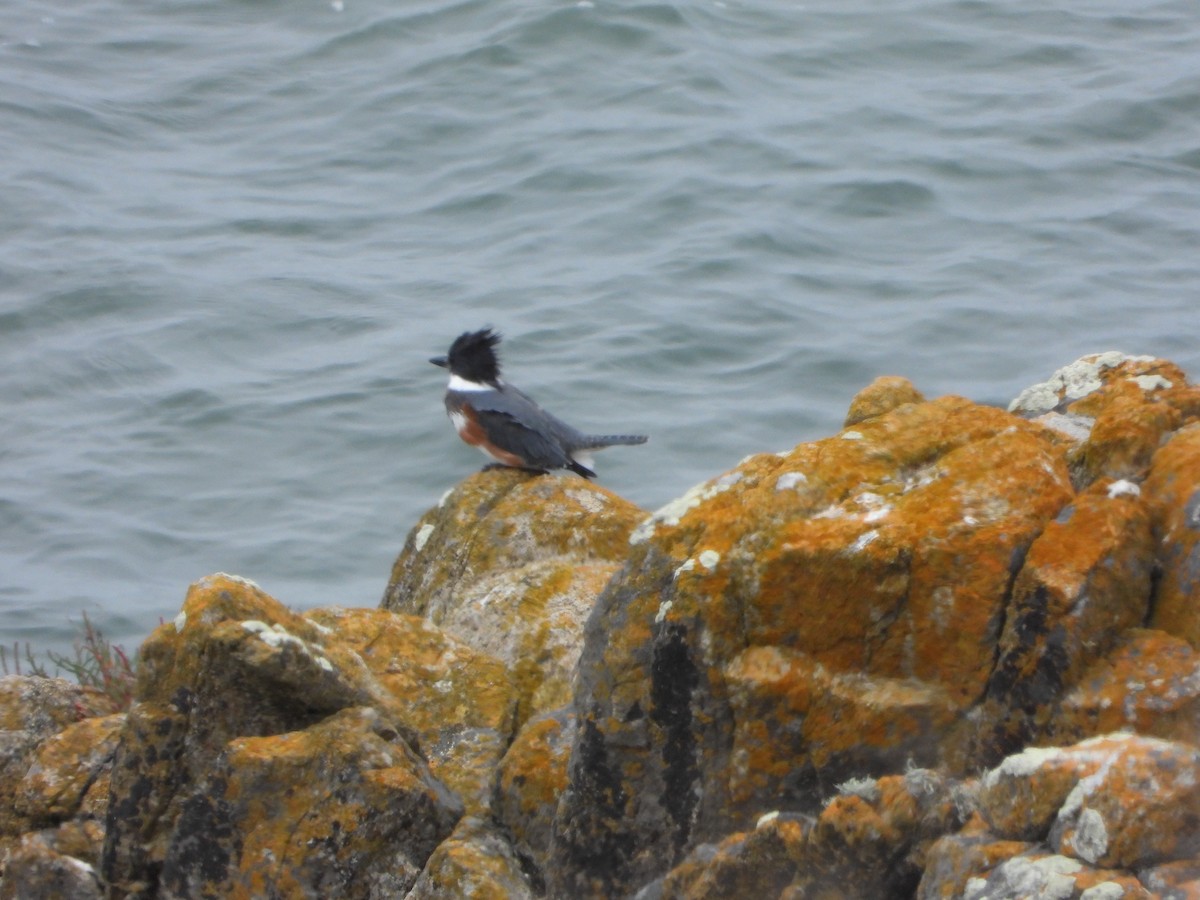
<point>864,576</point>
<point>259,755</point>
<point>511,562</point>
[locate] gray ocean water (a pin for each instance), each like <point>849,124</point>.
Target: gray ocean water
<point>233,231</point>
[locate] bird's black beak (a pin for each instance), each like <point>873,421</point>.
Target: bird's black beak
<point>440,361</point>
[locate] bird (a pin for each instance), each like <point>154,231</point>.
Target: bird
<point>505,423</point>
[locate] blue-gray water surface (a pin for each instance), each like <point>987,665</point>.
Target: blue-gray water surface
<point>233,231</point>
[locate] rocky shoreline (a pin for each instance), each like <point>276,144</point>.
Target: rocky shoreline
<point>951,651</point>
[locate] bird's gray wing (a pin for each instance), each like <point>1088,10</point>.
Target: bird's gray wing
<point>514,422</point>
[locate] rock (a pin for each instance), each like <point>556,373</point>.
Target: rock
<point>533,775</point>
<point>881,396</point>
<point>966,858</point>
<point>758,863</point>
<point>474,863</point>
<point>797,726</point>
<point>1173,881</point>
<point>239,694</point>
<point>1102,818</point>
<point>1139,808</point>
<point>872,840</point>
<point>461,703</point>
<point>64,770</point>
<point>883,553</point>
<point>33,709</point>
<point>1117,409</point>
<point>511,563</point>
<point>1046,875</point>
<point>1150,683</point>
<point>1173,492</point>
<point>1085,580</point>
<point>341,809</point>
<point>34,871</point>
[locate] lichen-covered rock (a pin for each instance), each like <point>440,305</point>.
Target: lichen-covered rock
<point>758,863</point>
<point>796,724</point>
<point>965,858</point>
<point>1150,683</point>
<point>32,710</point>
<point>511,563</point>
<point>881,396</point>
<point>1115,816</point>
<point>1021,797</point>
<point>474,863</point>
<point>1086,579</point>
<point>1140,807</point>
<point>233,667</point>
<point>1038,874</point>
<point>885,553</point>
<point>64,769</point>
<point>1174,880</point>
<point>532,776</point>
<point>35,871</point>
<point>872,839</point>
<point>1116,408</point>
<point>460,702</point>
<point>343,808</point>
<point>1173,492</point>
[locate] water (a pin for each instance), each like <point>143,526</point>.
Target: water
<point>232,233</point>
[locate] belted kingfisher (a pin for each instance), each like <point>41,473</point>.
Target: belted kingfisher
<point>505,423</point>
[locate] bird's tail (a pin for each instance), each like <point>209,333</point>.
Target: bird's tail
<point>598,441</point>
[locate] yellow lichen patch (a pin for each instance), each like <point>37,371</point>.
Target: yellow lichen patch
<point>460,702</point>
<point>882,396</point>
<point>287,813</point>
<point>474,863</point>
<point>64,767</point>
<point>792,716</point>
<point>503,519</point>
<point>1125,437</point>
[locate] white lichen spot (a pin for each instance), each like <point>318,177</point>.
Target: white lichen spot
<point>670,514</point>
<point>1123,488</point>
<point>446,496</point>
<point>1021,765</point>
<point>1071,382</point>
<point>863,788</point>
<point>592,501</point>
<point>236,578</point>
<point>180,621</point>
<point>1151,382</point>
<point>324,663</point>
<point>876,514</point>
<point>788,480</point>
<point>320,628</point>
<point>272,635</point>
<point>851,435</point>
<point>1105,890</point>
<point>766,819</point>
<point>663,609</point>
<point>1047,878</point>
<point>974,887</point>
<point>686,566</point>
<point>1090,840</point>
<point>709,559</point>
<point>422,536</point>
<point>864,540</point>
<point>970,520</point>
